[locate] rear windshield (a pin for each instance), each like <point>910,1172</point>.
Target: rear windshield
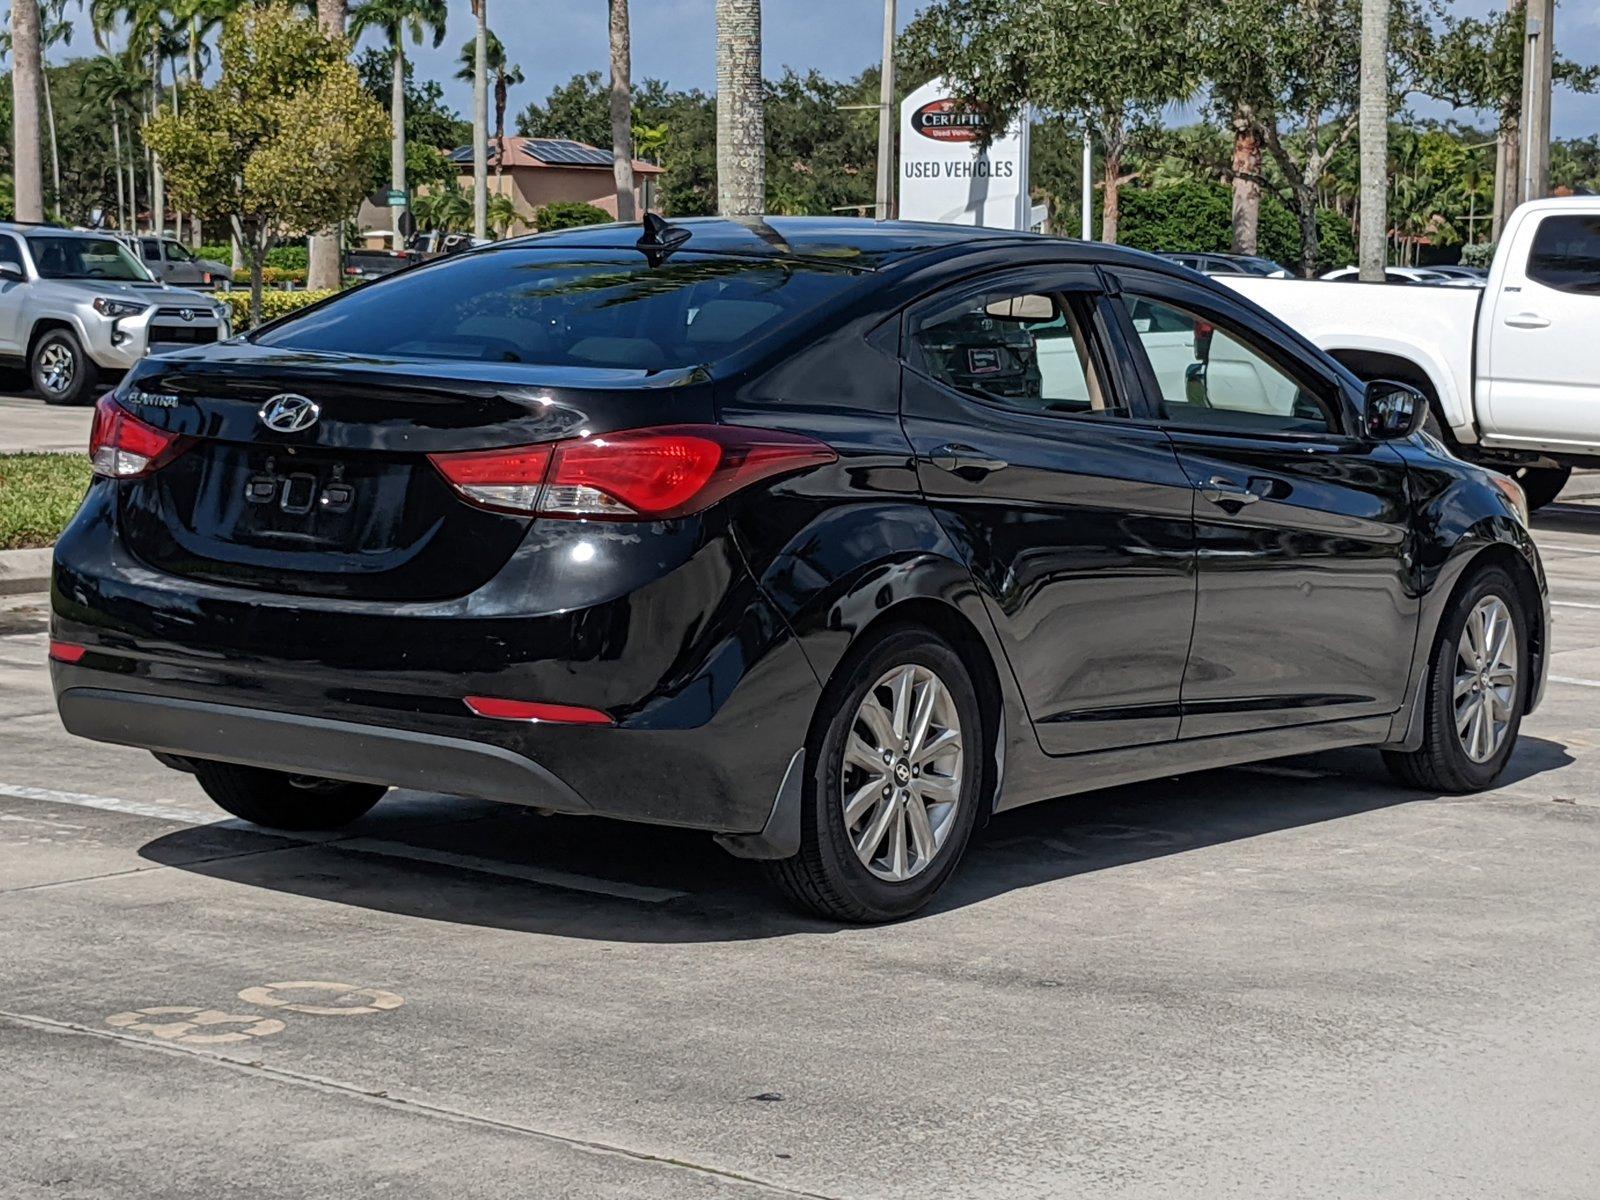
<point>570,307</point>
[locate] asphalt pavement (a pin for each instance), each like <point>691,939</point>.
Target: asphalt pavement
<point>1289,980</point>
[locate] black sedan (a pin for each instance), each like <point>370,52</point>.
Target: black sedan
<point>831,538</point>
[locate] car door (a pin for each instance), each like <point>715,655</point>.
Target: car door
<point>1075,521</point>
<point>1539,378</point>
<point>180,266</point>
<point>1305,610</point>
<point>13,292</point>
<point>150,255</point>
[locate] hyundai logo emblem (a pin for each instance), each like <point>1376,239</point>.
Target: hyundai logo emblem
<point>289,413</point>
<point>186,313</point>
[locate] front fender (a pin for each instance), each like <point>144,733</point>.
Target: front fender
<point>1462,522</point>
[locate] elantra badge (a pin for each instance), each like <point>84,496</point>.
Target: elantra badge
<point>289,413</point>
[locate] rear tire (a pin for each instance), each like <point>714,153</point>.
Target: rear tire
<point>62,373</point>
<point>275,800</point>
<point>1449,759</point>
<point>922,804</point>
<point>1542,484</point>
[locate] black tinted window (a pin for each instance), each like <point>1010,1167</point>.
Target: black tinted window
<point>10,252</point>
<point>572,307</point>
<point>1566,254</point>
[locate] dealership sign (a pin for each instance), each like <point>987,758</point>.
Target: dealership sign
<point>944,176</point>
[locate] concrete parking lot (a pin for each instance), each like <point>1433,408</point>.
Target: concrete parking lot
<point>1291,980</point>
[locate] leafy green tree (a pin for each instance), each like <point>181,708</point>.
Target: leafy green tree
<point>1112,65</point>
<point>1477,63</point>
<point>1289,66</point>
<point>281,145</point>
<point>396,18</point>
<point>504,75</point>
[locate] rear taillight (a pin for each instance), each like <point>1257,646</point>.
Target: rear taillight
<point>635,475</point>
<point>544,714</point>
<point>67,652</point>
<point>123,447</point>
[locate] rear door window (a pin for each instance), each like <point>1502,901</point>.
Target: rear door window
<point>1022,349</point>
<point>1566,254</point>
<point>570,307</point>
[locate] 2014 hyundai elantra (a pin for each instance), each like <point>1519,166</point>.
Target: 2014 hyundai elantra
<point>831,538</point>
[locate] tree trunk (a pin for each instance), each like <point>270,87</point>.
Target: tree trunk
<point>1246,191</point>
<point>158,186</point>
<point>1110,193</point>
<point>622,110</point>
<point>324,267</point>
<point>741,123</point>
<point>55,150</point>
<point>1507,173</point>
<point>500,100</point>
<point>397,119</point>
<point>1305,198</point>
<point>116,154</point>
<point>480,121</point>
<point>1374,134</point>
<point>28,69</point>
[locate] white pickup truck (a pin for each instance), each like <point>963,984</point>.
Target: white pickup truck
<point>1512,373</point>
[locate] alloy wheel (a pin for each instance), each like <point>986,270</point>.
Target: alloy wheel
<point>1486,678</point>
<point>901,781</point>
<point>56,367</point>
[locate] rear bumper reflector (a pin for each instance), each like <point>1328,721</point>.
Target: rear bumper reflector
<point>67,652</point>
<point>524,710</point>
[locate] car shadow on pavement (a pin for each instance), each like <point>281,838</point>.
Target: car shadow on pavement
<point>442,859</point>
<point>1567,518</point>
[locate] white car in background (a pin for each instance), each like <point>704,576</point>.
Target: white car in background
<point>1511,369</point>
<point>1403,275</point>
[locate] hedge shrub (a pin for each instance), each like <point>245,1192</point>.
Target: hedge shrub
<point>273,304</point>
<point>568,214</point>
<point>1197,217</point>
<point>284,258</point>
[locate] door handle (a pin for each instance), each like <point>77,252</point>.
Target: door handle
<point>954,457</point>
<point>1224,492</point>
<point>1527,320</point>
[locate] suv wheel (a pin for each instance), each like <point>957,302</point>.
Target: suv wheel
<point>1476,683</point>
<point>892,791</point>
<point>278,801</point>
<point>62,372</point>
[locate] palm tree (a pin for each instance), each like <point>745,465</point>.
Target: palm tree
<point>396,18</point>
<point>480,120</point>
<point>115,82</point>
<point>324,272</point>
<point>622,109</point>
<point>504,76</point>
<point>741,124</point>
<point>1374,133</point>
<point>26,72</point>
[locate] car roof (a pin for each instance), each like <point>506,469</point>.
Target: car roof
<point>54,230</point>
<point>845,241</point>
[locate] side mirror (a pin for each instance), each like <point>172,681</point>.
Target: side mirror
<point>1393,411</point>
<point>12,272</point>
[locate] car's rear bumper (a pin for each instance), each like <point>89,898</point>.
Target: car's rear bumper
<point>710,692</point>
<point>313,746</point>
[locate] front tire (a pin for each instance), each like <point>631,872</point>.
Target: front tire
<point>62,373</point>
<point>893,783</point>
<point>275,800</point>
<point>1475,690</point>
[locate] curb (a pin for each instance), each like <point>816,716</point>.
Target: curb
<point>24,571</point>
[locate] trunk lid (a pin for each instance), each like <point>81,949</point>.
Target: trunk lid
<point>347,504</point>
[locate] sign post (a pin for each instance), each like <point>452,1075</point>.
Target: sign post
<point>945,177</point>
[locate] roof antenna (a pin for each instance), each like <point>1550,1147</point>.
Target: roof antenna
<point>660,238</point>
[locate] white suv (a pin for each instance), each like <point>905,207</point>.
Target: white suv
<point>75,305</point>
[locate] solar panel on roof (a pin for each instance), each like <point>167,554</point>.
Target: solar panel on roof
<point>559,151</point>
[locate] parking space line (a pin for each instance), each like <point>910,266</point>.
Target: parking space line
<point>1572,604</point>
<point>545,876</point>
<point>1575,681</point>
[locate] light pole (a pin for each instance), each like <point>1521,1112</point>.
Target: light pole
<point>886,119</point>
<point>1537,58</point>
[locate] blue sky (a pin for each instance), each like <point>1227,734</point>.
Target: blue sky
<point>675,40</point>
